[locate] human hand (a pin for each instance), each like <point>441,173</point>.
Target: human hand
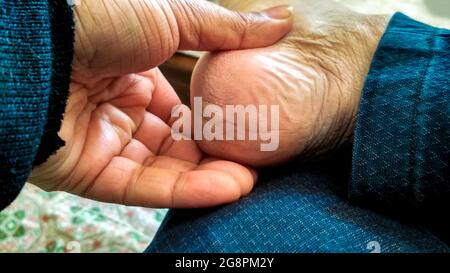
<point>117,122</point>
<point>315,74</point>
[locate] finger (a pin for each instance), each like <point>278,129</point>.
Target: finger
<point>206,26</point>
<point>126,182</point>
<point>157,137</point>
<point>181,144</point>
<point>164,97</point>
<point>137,152</point>
<point>239,172</point>
<point>187,150</point>
<point>171,163</point>
<point>153,133</point>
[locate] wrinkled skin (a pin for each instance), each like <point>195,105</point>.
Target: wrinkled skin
<point>315,74</point>
<point>117,122</point>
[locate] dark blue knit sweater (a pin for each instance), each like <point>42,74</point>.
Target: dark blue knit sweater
<point>36,49</point>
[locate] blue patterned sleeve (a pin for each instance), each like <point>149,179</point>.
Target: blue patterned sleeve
<point>401,153</point>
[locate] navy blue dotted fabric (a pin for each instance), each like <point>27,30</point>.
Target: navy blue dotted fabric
<point>397,176</point>
<point>293,209</point>
<point>401,156</point>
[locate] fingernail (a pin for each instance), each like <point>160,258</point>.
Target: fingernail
<point>279,12</point>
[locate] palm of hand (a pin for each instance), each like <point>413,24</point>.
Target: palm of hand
<point>116,126</point>
<point>119,149</point>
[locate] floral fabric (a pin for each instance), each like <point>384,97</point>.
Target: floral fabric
<point>59,222</point>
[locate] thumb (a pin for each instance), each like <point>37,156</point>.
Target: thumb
<point>209,27</point>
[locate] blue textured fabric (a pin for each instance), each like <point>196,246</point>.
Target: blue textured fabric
<point>293,210</point>
<point>36,48</point>
<point>402,139</point>
<point>398,170</point>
